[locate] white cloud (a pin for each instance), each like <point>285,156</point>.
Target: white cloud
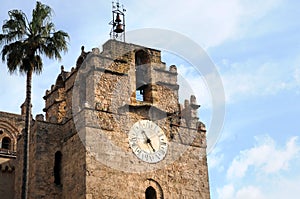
<point>207,22</point>
<point>285,187</point>
<point>215,160</point>
<point>248,192</point>
<point>250,79</point>
<point>226,192</point>
<point>265,158</point>
<point>297,75</point>
<point>191,82</point>
<point>267,170</point>
<point>282,187</point>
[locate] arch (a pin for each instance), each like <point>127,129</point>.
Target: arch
<point>6,143</point>
<point>142,75</point>
<point>9,130</point>
<point>141,57</point>
<point>150,193</point>
<point>57,168</point>
<point>152,185</point>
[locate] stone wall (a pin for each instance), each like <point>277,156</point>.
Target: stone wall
<point>112,168</point>
<point>89,112</point>
<point>46,140</point>
<point>7,178</point>
<point>185,178</point>
<point>11,126</point>
<point>114,171</point>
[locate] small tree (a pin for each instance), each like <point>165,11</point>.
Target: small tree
<point>24,43</point>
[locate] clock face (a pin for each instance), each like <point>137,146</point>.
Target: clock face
<point>148,141</point>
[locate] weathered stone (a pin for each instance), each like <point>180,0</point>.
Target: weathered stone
<point>82,150</point>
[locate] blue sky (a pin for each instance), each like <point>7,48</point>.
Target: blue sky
<point>256,49</point>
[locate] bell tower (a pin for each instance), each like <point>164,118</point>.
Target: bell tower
<point>118,22</point>
<point>141,142</point>
<point>115,128</point>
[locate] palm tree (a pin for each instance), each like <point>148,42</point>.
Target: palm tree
<point>24,43</point>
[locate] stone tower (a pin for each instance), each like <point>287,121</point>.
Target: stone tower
<point>114,128</point>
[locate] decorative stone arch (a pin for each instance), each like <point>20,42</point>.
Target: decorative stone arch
<point>151,183</point>
<point>142,75</point>
<point>10,131</point>
<point>141,57</point>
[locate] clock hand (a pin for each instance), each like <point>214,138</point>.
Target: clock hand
<point>150,145</point>
<point>149,148</point>
<point>148,141</point>
<point>143,132</point>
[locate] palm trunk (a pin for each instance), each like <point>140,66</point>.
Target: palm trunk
<point>26,136</point>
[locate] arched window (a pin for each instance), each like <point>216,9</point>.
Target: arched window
<point>142,75</point>
<point>150,193</point>
<point>57,168</point>
<point>6,143</point>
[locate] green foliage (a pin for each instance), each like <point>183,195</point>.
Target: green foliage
<point>25,42</point>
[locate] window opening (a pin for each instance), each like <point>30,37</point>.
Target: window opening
<point>6,142</point>
<point>142,75</point>
<point>150,193</point>
<point>57,168</point>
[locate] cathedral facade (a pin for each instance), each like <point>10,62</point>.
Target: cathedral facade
<point>113,128</point>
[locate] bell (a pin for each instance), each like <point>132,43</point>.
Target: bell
<point>119,28</point>
<point>118,19</point>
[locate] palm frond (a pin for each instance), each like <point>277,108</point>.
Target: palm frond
<point>54,45</point>
<point>40,16</point>
<point>38,64</point>
<point>59,40</point>
<point>16,22</point>
<point>13,54</point>
<point>14,28</point>
<point>36,38</point>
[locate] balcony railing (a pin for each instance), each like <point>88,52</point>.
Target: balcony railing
<point>7,153</point>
